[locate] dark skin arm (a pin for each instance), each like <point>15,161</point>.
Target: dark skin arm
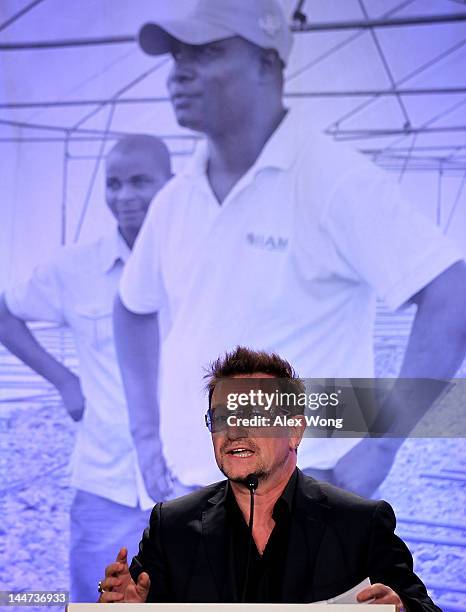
<point>137,345</point>
<point>437,345</point>
<point>436,349</point>
<point>18,339</point>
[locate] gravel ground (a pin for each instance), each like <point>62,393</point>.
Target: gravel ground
<point>36,439</point>
<point>416,493</point>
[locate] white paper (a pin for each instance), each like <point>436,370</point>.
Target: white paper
<point>349,597</point>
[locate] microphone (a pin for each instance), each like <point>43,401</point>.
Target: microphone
<point>252,482</point>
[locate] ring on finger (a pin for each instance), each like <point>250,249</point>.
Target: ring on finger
<point>99,587</point>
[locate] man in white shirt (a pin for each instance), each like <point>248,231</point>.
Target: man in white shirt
<point>77,288</point>
<point>262,242</point>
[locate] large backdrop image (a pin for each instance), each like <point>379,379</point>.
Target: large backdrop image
<point>383,78</point>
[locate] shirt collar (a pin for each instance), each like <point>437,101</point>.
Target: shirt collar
<point>113,248</point>
<point>278,152</point>
<point>284,502</point>
<point>282,147</point>
<point>197,163</point>
<point>286,498</point>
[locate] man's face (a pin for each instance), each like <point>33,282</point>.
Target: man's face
<point>212,86</point>
<point>132,180</point>
<point>240,451</point>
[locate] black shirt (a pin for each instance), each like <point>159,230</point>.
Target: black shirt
<point>265,576</point>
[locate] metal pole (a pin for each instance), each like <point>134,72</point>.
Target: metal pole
<point>365,24</point>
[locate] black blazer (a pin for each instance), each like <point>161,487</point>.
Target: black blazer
<point>336,540</point>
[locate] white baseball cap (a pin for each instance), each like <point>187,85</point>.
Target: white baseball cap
<point>261,22</point>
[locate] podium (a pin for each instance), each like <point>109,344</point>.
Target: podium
<point>221,607</point>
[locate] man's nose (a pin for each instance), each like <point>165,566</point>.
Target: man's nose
<point>182,71</point>
<point>126,193</point>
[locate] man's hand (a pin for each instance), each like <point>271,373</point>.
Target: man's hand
<point>17,337</point>
<point>366,465</point>
<point>118,585</point>
<point>72,396</point>
<point>380,594</point>
<point>154,468</point>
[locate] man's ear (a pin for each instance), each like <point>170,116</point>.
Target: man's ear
<point>297,431</point>
<point>270,64</point>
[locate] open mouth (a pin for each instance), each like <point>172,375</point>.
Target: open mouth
<point>241,453</point>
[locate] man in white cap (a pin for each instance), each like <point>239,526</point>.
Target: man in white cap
<point>261,241</point>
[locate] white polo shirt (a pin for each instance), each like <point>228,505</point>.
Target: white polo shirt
<point>291,261</point>
<point>77,287</point>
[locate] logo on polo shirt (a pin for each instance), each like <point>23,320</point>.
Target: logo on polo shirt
<point>267,242</point>
<point>270,24</point>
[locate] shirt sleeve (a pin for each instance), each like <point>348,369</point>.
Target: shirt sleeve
<point>384,240</point>
<point>141,286</point>
<point>39,297</point>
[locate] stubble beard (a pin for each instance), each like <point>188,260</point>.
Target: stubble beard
<point>262,473</point>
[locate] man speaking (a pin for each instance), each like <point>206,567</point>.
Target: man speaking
<point>311,541</point>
